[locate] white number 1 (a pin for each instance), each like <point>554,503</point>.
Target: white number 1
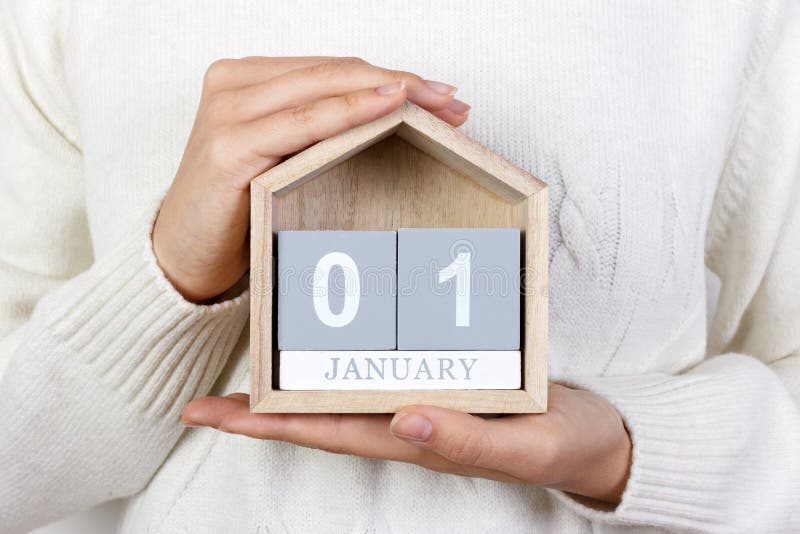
<point>352,289</point>
<point>460,269</point>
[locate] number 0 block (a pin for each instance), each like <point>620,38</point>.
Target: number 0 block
<point>458,289</point>
<point>336,290</point>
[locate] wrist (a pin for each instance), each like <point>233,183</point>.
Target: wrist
<point>168,256</point>
<point>612,476</point>
<point>170,272</point>
<point>606,475</point>
<point>593,448</point>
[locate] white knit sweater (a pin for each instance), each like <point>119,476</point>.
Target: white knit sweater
<point>669,133</point>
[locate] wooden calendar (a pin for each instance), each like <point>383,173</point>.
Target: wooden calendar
<point>398,263</point>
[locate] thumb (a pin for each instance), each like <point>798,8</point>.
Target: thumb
<point>459,437</point>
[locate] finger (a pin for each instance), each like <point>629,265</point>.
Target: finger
<point>229,74</point>
<point>455,119</point>
<point>466,439</point>
<point>363,435</point>
<point>360,435</point>
<point>288,131</point>
<point>328,79</point>
<point>210,411</point>
<point>451,118</point>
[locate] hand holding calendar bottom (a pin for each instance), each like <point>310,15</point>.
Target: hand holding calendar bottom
<point>252,115</point>
<point>580,445</point>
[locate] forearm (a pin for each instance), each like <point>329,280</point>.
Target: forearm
<point>92,396</point>
<point>714,448</point>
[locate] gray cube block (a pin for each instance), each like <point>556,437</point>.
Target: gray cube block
<point>336,290</point>
<point>458,289</point>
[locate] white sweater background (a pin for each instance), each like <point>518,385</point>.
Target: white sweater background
<point>669,133</point>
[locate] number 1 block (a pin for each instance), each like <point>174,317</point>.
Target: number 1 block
<point>336,290</point>
<point>458,289</point>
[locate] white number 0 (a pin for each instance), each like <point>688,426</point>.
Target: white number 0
<point>460,269</point>
<point>352,289</point>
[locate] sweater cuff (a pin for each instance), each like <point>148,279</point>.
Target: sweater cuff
<point>690,443</point>
<point>124,319</point>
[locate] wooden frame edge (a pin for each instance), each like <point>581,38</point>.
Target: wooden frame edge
<point>454,148</point>
<point>535,351</point>
<point>260,291</point>
<point>381,401</point>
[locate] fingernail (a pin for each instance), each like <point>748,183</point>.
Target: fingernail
<point>457,106</point>
<point>189,423</point>
<point>391,88</point>
<point>411,426</point>
<point>441,88</point>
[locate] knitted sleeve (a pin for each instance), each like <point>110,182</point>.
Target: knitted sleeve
<point>716,448</point>
<point>99,354</point>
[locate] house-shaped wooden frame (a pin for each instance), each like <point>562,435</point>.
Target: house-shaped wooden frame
<point>407,169</point>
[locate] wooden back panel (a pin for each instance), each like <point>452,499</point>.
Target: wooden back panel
<point>391,185</point>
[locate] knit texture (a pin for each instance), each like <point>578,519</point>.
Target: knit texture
<point>669,135</point>
<point>112,358</point>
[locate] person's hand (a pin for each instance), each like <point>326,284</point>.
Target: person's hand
<point>580,445</point>
<point>252,113</point>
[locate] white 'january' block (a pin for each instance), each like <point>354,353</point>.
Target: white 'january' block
<point>399,369</point>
